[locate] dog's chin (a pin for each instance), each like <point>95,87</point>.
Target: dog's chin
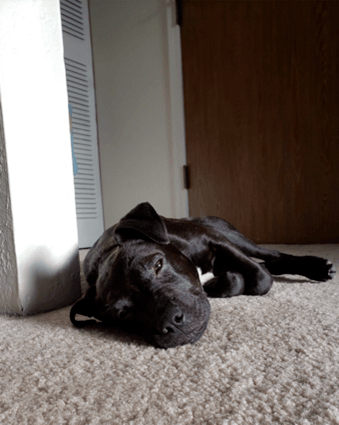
<point>168,341</point>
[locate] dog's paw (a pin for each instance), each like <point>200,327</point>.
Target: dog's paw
<point>319,269</point>
<point>331,271</point>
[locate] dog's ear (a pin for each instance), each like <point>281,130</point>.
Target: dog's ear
<point>144,219</point>
<point>85,307</point>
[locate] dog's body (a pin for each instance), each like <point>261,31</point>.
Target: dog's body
<point>144,269</point>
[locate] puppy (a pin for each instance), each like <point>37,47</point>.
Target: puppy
<point>143,270</point>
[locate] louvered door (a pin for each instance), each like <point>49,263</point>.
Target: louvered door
<point>80,85</point>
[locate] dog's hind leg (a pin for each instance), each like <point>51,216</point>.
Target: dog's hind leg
<point>277,263</point>
<point>314,268</point>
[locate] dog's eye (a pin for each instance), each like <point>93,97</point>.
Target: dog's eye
<point>157,266</point>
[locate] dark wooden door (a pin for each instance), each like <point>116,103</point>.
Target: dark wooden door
<point>261,90</point>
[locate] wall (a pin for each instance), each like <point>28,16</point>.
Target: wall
<point>139,155</point>
<point>9,290</point>
<point>39,249</point>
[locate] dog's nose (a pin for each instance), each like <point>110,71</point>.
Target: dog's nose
<point>172,320</point>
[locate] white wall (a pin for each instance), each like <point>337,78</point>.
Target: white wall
<point>39,259</point>
<point>9,289</point>
<point>141,148</point>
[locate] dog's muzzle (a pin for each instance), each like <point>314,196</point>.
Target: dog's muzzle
<point>180,324</point>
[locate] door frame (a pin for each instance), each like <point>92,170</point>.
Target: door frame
<point>177,115</point>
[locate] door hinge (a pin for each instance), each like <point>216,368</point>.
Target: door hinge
<point>186,177</point>
<point>178,4</point>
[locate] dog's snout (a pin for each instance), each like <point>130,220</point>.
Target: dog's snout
<point>179,318</point>
<point>173,319</point>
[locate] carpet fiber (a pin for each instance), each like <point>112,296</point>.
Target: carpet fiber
<point>262,360</point>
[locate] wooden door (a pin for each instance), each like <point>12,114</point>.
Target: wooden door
<point>261,90</point>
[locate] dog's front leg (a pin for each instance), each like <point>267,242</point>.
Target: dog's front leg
<point>236,273</point>
<point>228,284</point>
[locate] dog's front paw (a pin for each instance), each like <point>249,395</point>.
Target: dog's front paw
<point>320,269</point>
<point>331,271</point>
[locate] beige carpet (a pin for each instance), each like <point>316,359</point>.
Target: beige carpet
<point>262,360</point>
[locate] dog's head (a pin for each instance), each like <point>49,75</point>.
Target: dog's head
<point>145,279</point>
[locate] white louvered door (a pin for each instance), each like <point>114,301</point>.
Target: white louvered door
<point>81,96</point>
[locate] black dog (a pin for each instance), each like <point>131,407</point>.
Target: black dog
<point>143,269</point>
